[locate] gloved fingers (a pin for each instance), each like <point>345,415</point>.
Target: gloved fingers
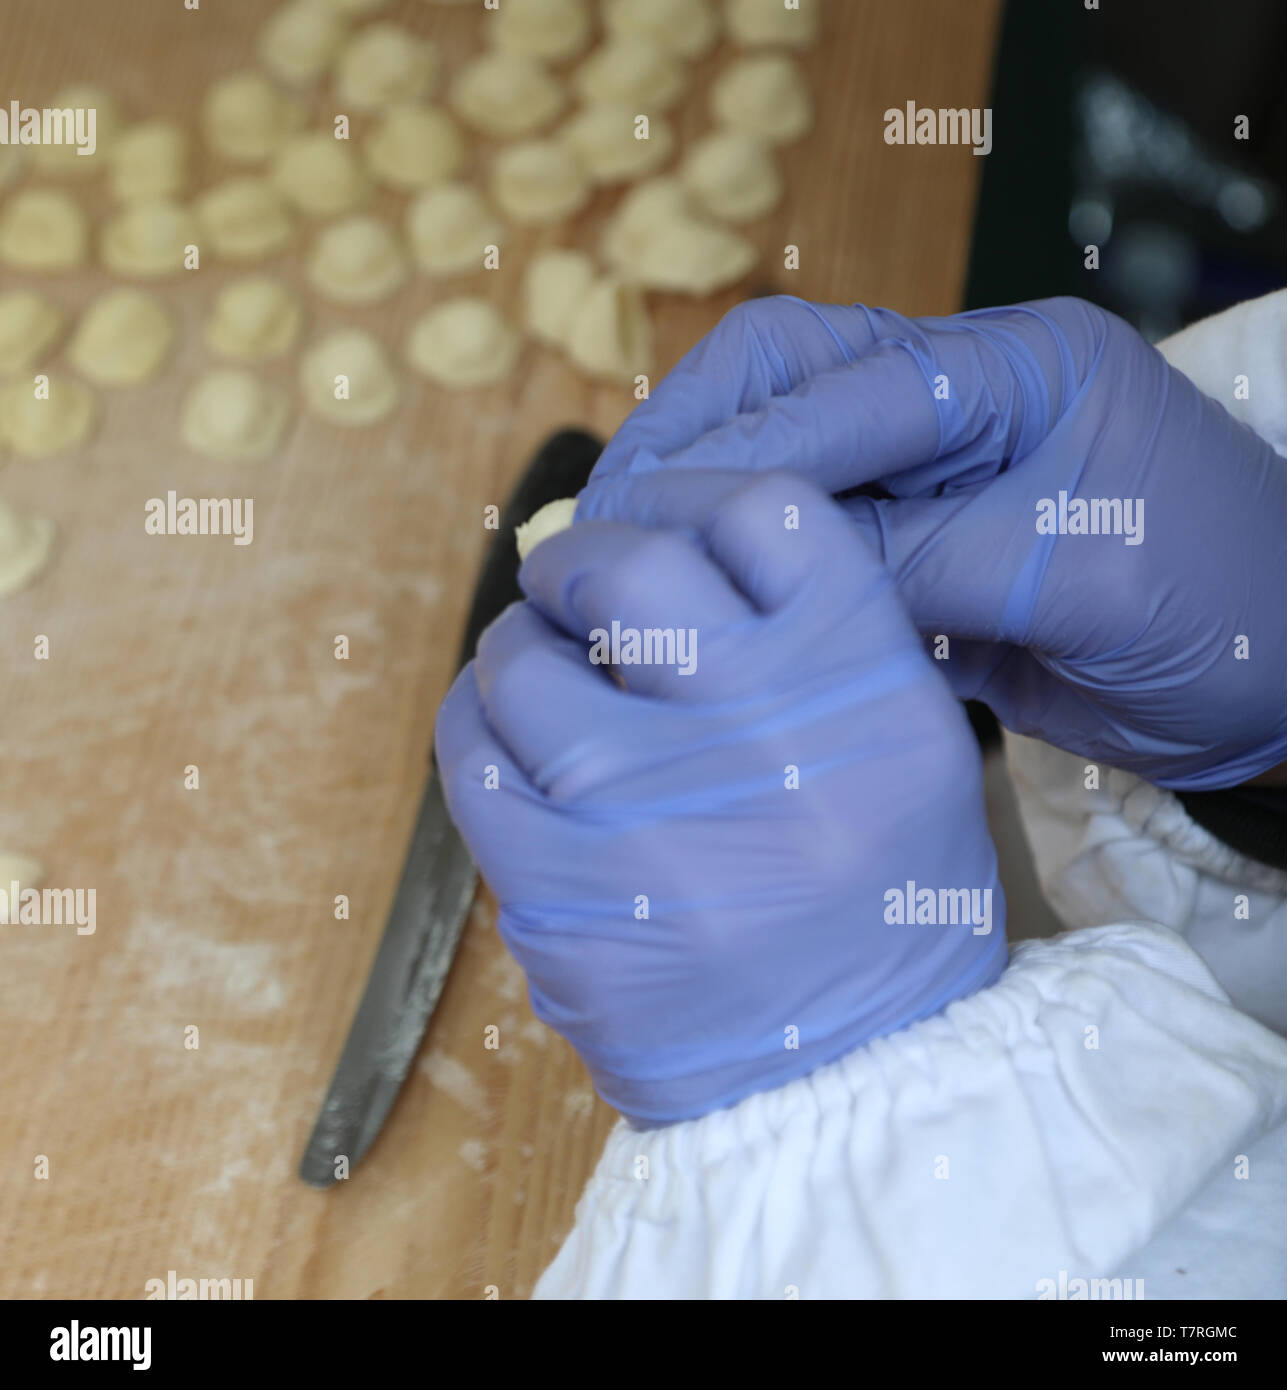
<point>932,546</point>
<point>786,545</point>
<point>842,427</point>
<point>759,350</point>
<point>546,700</point>
<point>1001,380</point>
<point>551,729</point>
<point>952,601</point>
<point>832,616</point>
<point>771,532</point>
<point>929,405</point>
<point>660,499</point>
<point>750,523</point>
<point>485,789</point>
<point>962,562</point>
<point>641,599</point>
<point>781,539</point>
<point>969,564</point>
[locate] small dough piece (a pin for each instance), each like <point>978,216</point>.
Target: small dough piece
<point>300,41</point>
<point>687,28</point>
<point>414,147</point>
<point>556,283</point>
<point>603,140</point>
<point>538,181</point>
<point>246,119</point>
<point>547,30</point>
<point>383,64</point>
<point>320,175</point>
<point>254,318</point>
<point>25,543</point>
<point>732,176</point>
<point>150,162</point>
<point>505,94</point>
<point>22,870</point>
<point>36,426</point>
<point>63,161</point>
<point>244,219</point>
<point>464,342</point>
<point>122,339</point>
<point>637,71</point>
<point>752,23</point>
<point>29,327</point>
<point>547,521</point>
<point>653,200</point>
<point>347,378</point>
<point>357,261</point>
<point>765,96</point>
<point>232,414</point>
<point>43,229</point>
<point>108,119</point>
<point>658,242</point>
<point>450,227</point>
<point>149,239</point>
<point>610,334</point>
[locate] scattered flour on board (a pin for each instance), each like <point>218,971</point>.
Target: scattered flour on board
<point>474,1154</point>
<point>455,1079</point>
<point>177,959</point>
<point>333,687</point>
<point>509,1053</point>
<point>481,916</point>
<point>232,1173</point>
<point>358,625</point>
<point>577,1104</point>
<point>422,586</point>
<point>504,976</point>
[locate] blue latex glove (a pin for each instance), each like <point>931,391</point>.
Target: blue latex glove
<point>1129,653</point>
<point>679,909</point>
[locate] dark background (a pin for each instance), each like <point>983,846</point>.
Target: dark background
<point>1116,127</point>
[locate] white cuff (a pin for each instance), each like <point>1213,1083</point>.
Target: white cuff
<point>1016,1135</point>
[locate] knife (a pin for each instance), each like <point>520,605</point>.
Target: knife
<point>438,877</point>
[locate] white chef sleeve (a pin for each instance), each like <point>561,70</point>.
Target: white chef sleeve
<point>1245,345</point>
<point>1043,1130</point>
<point>1126,849</point>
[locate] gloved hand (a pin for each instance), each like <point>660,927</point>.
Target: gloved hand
<point>703,874</point>
<point>1166,657</point>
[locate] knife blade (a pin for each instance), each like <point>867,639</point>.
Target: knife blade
<point>438,878</point>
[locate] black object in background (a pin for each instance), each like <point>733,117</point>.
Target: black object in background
<point>1116,128</point>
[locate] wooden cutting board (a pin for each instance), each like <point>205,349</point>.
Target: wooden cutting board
<point>214,906</point>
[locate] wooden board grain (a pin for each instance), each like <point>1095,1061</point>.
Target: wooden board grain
<point>214,907</point>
